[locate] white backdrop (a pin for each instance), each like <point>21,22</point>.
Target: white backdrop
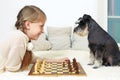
<point>59,12</point>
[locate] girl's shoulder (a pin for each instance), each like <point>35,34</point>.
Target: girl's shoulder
<point>19,34</point>
<point>15,34</point>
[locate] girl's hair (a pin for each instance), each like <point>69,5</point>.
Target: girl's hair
<point>29,13</point>
<point>33,14</point>
<point>26,60</point>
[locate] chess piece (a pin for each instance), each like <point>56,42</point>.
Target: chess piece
<point>37,66</point>
<point>69,66</point>
<point>74,60</point>
<point>42,66</point>
<point>77,68</point>
<point>49,65</point>
<point>38,63</point>
<point>63,64</point>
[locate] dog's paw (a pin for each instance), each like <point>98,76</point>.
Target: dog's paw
<point>106,65</point>
<point>95,67</point>
<point>97,64</point>
<point>90,63</point>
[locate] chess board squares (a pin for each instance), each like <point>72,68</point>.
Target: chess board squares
<point>56,69</point>
<point>48,71</point>
<point>59,72</point>
<point>51,72</point>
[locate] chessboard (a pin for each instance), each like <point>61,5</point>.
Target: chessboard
<point>43,68</point>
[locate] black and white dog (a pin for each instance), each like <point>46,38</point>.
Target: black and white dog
<point>103,48</point>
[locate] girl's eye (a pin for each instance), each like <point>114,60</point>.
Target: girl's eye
<point>41,26</point>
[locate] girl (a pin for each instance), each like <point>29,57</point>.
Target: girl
<point>14,52</point>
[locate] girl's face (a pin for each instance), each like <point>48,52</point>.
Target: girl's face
<point>33,30</point>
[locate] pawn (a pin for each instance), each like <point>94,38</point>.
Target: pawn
<point>63,64</point>
<point>74,60</point>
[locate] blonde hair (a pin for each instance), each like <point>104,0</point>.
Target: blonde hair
<point>29,13</point>
<point>33,14</point>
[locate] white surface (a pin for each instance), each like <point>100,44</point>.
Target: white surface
<point>103,73</point>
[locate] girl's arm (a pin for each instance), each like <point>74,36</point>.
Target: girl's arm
<point>15,56</point>
<point>49,60</point>
<point>57,60</point>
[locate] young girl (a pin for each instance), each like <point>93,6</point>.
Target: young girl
<point>14,52</point>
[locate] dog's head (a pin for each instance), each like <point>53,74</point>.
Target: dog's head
<point>82,25</point>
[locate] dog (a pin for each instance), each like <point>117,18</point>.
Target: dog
<point>103,48</point>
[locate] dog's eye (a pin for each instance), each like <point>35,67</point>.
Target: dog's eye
<point>82,22</point>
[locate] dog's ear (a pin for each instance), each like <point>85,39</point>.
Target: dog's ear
<point>86,17</point>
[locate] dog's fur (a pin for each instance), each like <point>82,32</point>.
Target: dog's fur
<point>103,48</point>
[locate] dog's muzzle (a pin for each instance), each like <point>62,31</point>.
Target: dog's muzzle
<point>81,32</point>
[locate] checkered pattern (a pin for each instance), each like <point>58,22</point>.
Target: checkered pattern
<point>57,68</point>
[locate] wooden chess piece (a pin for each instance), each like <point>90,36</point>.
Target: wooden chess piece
<point>42,66</point>
<point>37,66</point>
<point>63,64</point>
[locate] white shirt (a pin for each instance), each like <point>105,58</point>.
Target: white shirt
<point>12,50</point>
